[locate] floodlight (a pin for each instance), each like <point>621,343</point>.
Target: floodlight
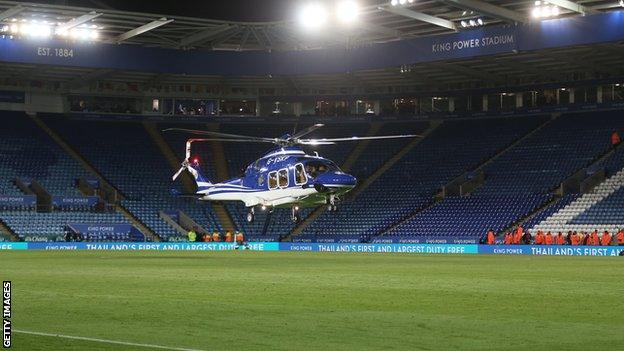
<point>313,15</point>
<point>347,11</point>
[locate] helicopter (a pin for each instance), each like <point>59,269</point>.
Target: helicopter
<point>284,177</point>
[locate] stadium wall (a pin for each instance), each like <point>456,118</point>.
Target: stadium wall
<point>535,250</point>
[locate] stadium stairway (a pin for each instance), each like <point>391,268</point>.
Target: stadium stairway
<point>189,185</point>
<point>360,147</point>
<point>368,181</point>
<point>440,198</point>
<point>73,153</point>
<point>6,231</point>
<point>218,154</point>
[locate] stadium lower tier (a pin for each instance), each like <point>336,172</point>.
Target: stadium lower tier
<point>524,161</point>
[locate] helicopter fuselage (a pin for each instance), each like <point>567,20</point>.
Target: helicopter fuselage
<point>283,178</point>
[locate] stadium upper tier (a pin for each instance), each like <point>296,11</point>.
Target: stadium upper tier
<point>524,161</point>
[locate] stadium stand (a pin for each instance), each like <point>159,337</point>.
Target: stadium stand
<point>452,149</point>
<point>520,180</point>
<point>26,152</point>
<point>126,156</point>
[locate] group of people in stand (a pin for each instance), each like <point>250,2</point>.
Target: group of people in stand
<point>215,236</point>
<point>521,237</point>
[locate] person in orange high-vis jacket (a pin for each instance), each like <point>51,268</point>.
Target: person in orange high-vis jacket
<point>517,237</point>
<point>605,240</point>
<point>206,237</point>
<point>620,237</point>
<point>228,236</point>
<point>508,239</point>
<point>539,238</point>
<point>215,236</point>
<point>615,139</point>
<point>574,239</point>
<point>560,239</point>
<point>548,240</point>
<point>594,239</point>
<point>491,238</point>
<point>239,238</point>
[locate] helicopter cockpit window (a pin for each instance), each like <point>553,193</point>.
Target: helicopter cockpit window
<point>300,175</point>
<point>315,168</point>
<point>273,180</point>
<point>283,178</point>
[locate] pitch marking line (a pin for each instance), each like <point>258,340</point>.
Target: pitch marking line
<point>104,341</point>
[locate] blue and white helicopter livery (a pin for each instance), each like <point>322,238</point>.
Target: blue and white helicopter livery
<point>284,177</point>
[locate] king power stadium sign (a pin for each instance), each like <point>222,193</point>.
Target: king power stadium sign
<point>473,43</point>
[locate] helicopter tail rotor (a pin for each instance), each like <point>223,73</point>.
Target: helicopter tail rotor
<point>183,167</point>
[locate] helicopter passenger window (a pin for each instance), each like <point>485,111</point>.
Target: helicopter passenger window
<point>283,178</point>
<point>272,180</point>
<point>300,176</point>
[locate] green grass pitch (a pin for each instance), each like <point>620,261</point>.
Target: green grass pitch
<point>314,301</point>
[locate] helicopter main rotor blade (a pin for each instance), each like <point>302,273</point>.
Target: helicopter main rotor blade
<point>355,138</point>
<point>223,135</point>
<point>314,142</point>
<point>306,131</point>
<point>237,140</point>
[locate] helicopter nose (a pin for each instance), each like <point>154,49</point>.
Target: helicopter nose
<point>336,180</point>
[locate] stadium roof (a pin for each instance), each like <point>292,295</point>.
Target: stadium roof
<point>379,22</point>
